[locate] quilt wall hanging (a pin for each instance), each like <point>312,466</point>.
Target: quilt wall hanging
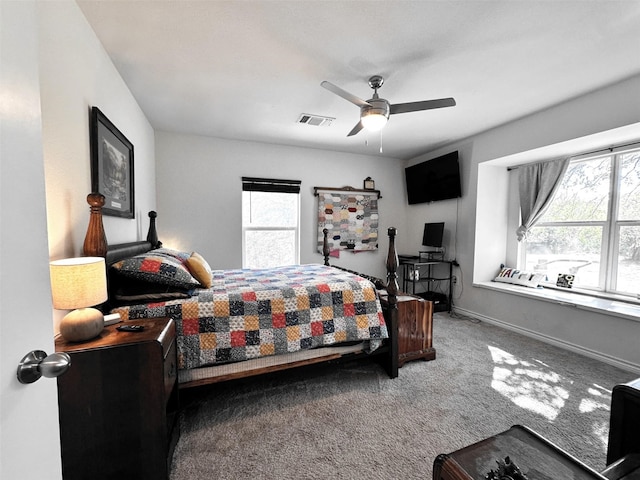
<point>351,216</point>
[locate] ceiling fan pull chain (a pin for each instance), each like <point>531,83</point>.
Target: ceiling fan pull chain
<point>380,141</point>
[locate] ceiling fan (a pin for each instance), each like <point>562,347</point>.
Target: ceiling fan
<point>375,112</point>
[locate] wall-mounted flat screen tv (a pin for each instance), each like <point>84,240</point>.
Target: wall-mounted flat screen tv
<point>436,179</point>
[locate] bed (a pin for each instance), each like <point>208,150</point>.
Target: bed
<point>238,323</point>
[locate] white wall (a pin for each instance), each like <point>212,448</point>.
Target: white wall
<point>483,218</point>
<point>75,74</point>
<point>199,194</point>
<point>29,434</point>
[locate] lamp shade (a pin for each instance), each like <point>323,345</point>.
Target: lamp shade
<point>78,282</point>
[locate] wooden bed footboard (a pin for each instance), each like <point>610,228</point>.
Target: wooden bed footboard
<point>95,244</point>
<point>391,314</point>
<point>390,307</point>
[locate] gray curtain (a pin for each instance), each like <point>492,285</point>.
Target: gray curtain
<point>537,182</point>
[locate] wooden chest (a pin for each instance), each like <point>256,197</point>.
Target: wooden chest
<point>534,456</point>
<point>415,328</point>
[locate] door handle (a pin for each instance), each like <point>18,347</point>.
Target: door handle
<point>37,363</point>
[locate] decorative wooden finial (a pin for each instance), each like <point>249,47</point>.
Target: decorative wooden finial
<point>392,268</point>
<point>95,242</point>
<point>325,246</point>
<point>152,235</point>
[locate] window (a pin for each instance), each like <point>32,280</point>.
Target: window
<point>592,227</point>
<point>270,222</point>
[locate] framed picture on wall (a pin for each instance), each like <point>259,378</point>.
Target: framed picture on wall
<point>111,166</point>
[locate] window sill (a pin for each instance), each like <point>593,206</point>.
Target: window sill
<point>606,306</point>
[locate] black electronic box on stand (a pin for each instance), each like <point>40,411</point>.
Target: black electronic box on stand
<point>422,268</point>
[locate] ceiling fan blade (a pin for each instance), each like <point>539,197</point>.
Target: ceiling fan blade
<point>355,129</point>
<point>344,94</point>
<point>426,105</point>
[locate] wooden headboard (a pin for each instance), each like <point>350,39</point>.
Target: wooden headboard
<point>95,241</point>
<point>121,251</point>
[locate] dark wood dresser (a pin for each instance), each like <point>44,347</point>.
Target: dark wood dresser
<point>118,403</point>
<point>415,327</point>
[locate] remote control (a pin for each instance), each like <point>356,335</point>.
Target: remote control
<point>130,328</point>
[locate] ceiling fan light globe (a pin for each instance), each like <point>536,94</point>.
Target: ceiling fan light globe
<point>373,122</point>
<point>374,116</point>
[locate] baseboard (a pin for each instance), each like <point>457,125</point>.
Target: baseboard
<point>616,362</point>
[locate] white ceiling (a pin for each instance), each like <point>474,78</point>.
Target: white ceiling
<point>247,69</point>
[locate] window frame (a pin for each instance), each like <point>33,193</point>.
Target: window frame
<point>289,187</point>
<point>611,229</point>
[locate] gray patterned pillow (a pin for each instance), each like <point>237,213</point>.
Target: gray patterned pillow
<point>157,267</point>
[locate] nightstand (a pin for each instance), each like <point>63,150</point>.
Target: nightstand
<point>118,403</point>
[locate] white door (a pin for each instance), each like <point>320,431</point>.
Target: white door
<point>29,432</point>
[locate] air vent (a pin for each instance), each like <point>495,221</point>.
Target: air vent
<point>315,120</point>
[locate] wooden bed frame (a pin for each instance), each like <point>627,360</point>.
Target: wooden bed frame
<point>95,244</point>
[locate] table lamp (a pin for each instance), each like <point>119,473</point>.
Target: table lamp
<point>79,283</point>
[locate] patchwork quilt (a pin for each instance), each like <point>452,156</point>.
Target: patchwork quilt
<point>253,313</point>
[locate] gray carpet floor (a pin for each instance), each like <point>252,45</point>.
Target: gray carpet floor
<point>351,421</point>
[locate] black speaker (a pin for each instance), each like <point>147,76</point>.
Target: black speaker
<point>434,297</point>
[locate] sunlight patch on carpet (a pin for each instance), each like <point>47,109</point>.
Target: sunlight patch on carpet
<point>528,385</point>
<point>597,401</point>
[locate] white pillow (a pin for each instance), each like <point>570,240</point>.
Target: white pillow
<point>519,277</point>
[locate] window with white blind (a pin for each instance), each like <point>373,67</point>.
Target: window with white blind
<point>270,222</point>
<point>592,227</point>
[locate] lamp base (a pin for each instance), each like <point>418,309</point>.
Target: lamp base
<point>82,324</point>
